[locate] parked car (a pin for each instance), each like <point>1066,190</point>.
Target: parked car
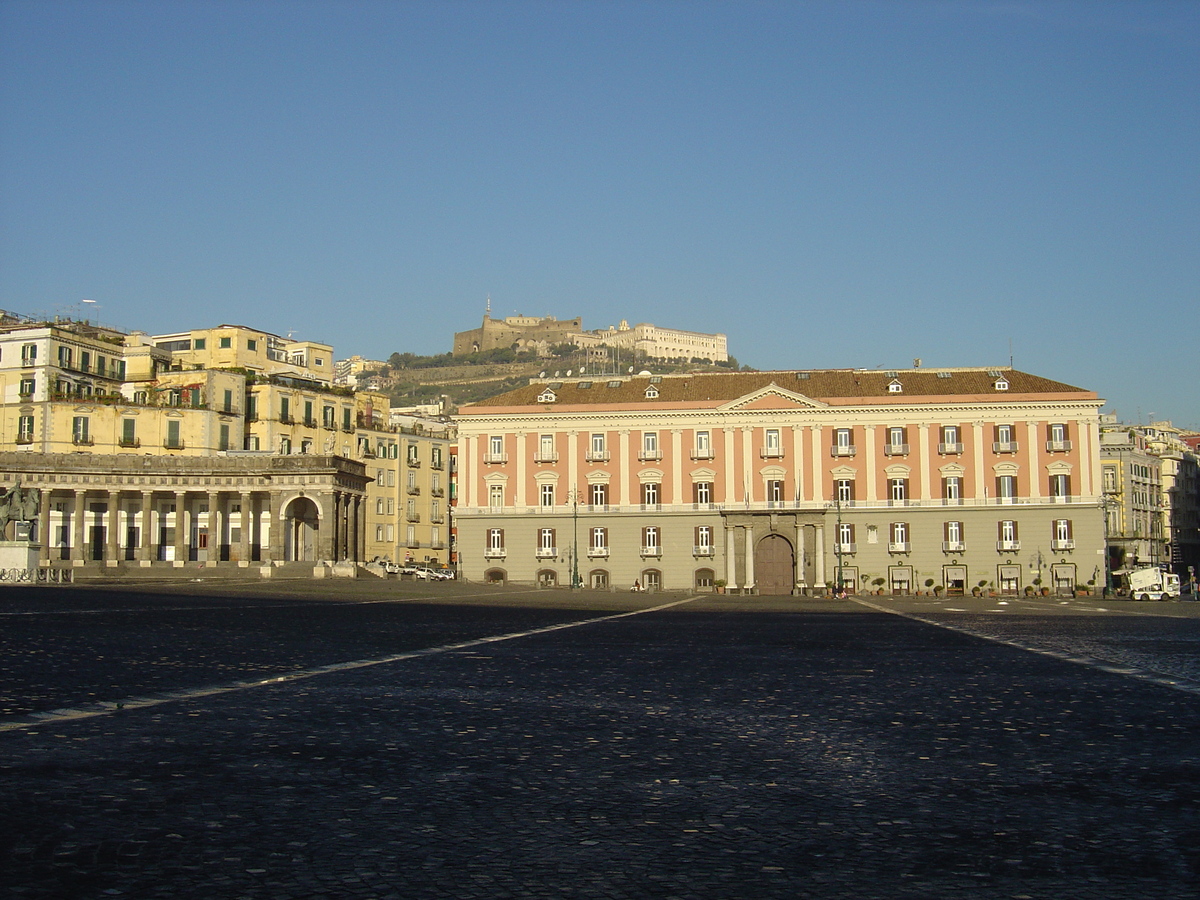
<point>434,573</point>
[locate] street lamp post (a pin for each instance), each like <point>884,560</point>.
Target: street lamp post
<point>575,585</point>
<point>1106,504</point>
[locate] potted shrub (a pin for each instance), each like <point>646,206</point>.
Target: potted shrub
<point>879,583</point>
<point>719,585</point>
<point>937,590</point>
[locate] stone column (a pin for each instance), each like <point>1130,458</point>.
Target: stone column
<point>145,545</point>
<point>181,528</point>
<point>43,525</point>
<point>247,525</point>
<point>800,556</point>
<point>112,539</point>
<point>819,550</point>
<point>338,526</point>
<point>360,526</point>
<point>214,528</point>
<point>78,555</point>
<point>278,526</point>
<point>730,558</point>
<point>749,529</point>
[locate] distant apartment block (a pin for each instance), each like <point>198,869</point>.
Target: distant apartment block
<point>215,446</point>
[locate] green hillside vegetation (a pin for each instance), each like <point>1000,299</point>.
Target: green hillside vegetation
<point>412,379</point>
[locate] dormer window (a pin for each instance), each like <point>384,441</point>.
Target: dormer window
<point>1000,384</point>
<point>651,392</point>
<point>547,396</point>
<point>895,387</point>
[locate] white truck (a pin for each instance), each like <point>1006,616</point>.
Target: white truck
<point>1150,583</point>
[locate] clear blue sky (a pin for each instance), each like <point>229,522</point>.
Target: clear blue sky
<point>829,183</point>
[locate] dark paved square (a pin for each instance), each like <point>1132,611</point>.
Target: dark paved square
<point>717,748</point>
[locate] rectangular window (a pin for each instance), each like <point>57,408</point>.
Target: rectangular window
<point>27,387</point>
<point>1006,488</point>
<point>844,491</point>
<point>225,343</point>
<point>25,429</point>
<point>198,344</point>
<point>702,492</point>
<point>650,446</point>
<point>774,491</point>
<point>546,494</point>
<point>1062,538</point>
<point>495,543</point>
<point>285,446</point>
<point>327,416</point>
<point>703,445</point>
<point>495,452</point>
<point>378,532</point>
<point>842,445</point>
<point>598,541</point>
<point>252,345</point>
<point>546,544</point>
<point>953,537</point>
<point>173,442</point>
<point>79,430</point>
<point>598,494</point>
<point>704,541</point>
<point>285,410</point>
<point>650,493</point>
<point>897,490</point>
<point>308,414</point>
<point>496,496</point>
<point>1004,440</point>
<point>1008,539</point>
<point>545,451</point>
<point>898,538</point>
<point>223,437</point>
<point>845,537</point>
<point>128,433</point>
<point>897,442</point>
<point>772,447</point>
<point>347,425</point>
<point>597,451</point>
<point>1060,488</point>
<point>650,545</point>
<point>952,489</point>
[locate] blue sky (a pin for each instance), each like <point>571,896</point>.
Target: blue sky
<point>830,184</point>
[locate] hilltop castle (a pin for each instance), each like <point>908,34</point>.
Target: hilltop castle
<point>538,335</point>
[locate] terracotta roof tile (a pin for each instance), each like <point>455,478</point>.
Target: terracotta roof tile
<point>823,385</point>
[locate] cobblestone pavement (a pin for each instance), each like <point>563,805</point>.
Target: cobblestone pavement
<point>443,741</point>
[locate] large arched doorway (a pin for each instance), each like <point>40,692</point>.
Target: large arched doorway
<point>774,565</point>
<point>301,523</point>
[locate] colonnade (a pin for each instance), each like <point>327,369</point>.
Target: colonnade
<point>209,526</point>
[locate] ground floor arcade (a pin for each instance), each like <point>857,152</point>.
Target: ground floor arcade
<point>241,510</point>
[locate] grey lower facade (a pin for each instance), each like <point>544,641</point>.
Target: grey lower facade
<point>1005,549</point>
